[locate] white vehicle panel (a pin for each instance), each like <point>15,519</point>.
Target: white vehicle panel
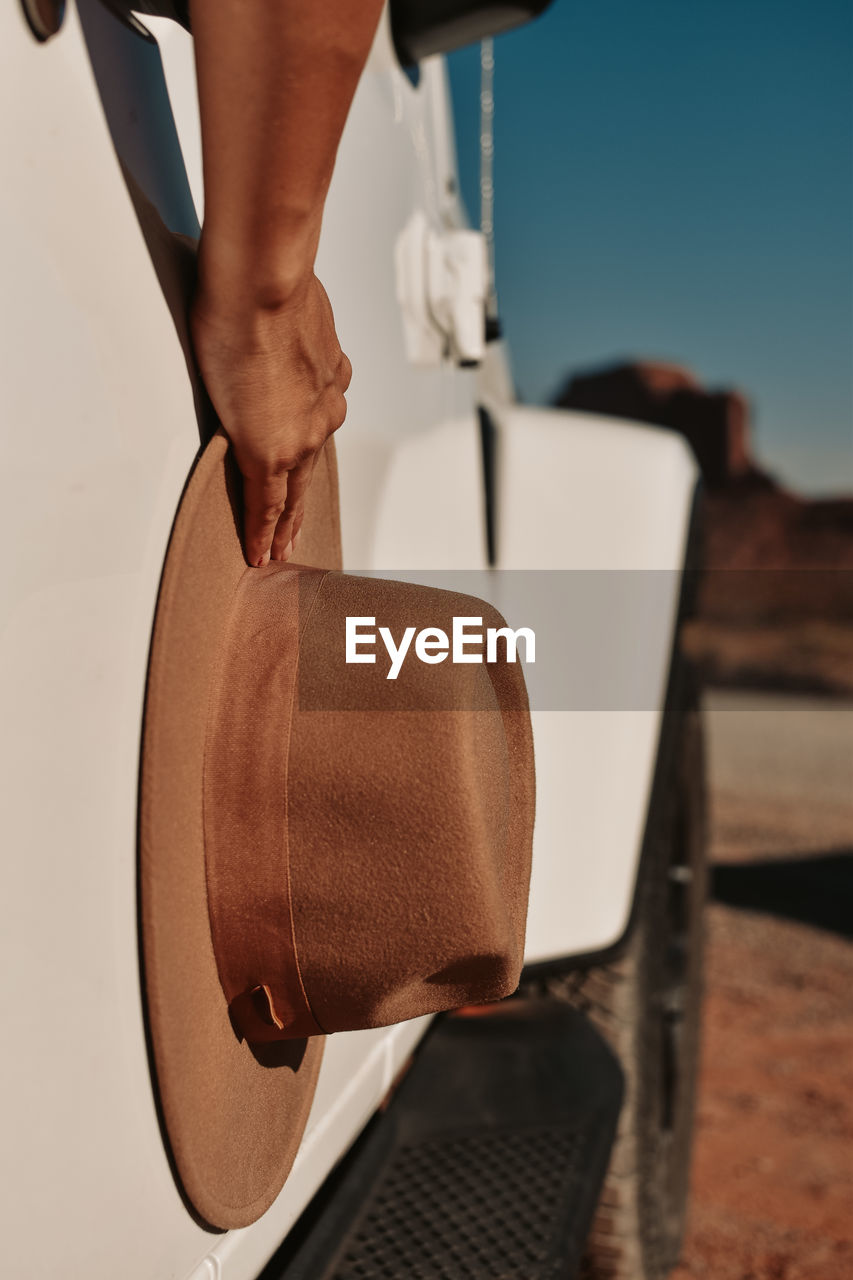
<point>429,513</point>
<point>582,492</point>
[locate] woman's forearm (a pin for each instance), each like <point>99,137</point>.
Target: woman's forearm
<point>275,80</point>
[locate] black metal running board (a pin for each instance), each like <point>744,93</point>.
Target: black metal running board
<point>487,1163</point>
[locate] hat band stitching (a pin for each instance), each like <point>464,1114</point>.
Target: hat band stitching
<point>239,930</point>
<point>303,628</point>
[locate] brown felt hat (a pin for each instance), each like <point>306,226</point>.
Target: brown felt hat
<point>321,849</point>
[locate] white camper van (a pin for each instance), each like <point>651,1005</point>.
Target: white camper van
<point>462,1146</point>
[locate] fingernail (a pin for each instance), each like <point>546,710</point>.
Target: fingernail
<point>265,559</point>
<point>288,550</point>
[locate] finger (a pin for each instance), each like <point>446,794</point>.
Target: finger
<point>298,481</point>
<point>297,529</point>
<point>264,499</point>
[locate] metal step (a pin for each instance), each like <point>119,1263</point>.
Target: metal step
<point>487,1163</point>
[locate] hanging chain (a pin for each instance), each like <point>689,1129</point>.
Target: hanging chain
<point>487,154</point>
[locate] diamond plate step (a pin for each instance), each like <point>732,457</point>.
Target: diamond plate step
<point>486,1164</point>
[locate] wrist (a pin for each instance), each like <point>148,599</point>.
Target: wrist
<point>244,279</point>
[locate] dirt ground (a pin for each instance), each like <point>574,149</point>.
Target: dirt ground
<point>772,1183</point>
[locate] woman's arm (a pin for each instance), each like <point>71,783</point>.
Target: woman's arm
<point>275,81</point>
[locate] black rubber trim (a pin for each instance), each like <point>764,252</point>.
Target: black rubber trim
<point>681,693</point>
<point>45,20</point>
<point>494,328</point>
<point>488,453</point>
<point>420,28</point>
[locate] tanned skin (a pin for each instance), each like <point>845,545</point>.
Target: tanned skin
<point>275,80</point>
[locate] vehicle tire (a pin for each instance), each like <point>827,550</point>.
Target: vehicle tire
<point>647,1004</point>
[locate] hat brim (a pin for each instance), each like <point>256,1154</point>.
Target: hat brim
<point>233,1114</point>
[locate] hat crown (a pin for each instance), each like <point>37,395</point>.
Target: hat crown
<point>362,855</point>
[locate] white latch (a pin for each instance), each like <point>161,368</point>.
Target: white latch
<point>442,279</point>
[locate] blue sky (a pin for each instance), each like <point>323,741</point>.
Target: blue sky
<point>675,181</point>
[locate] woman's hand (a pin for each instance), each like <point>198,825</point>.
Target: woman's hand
<point>277,376</point>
